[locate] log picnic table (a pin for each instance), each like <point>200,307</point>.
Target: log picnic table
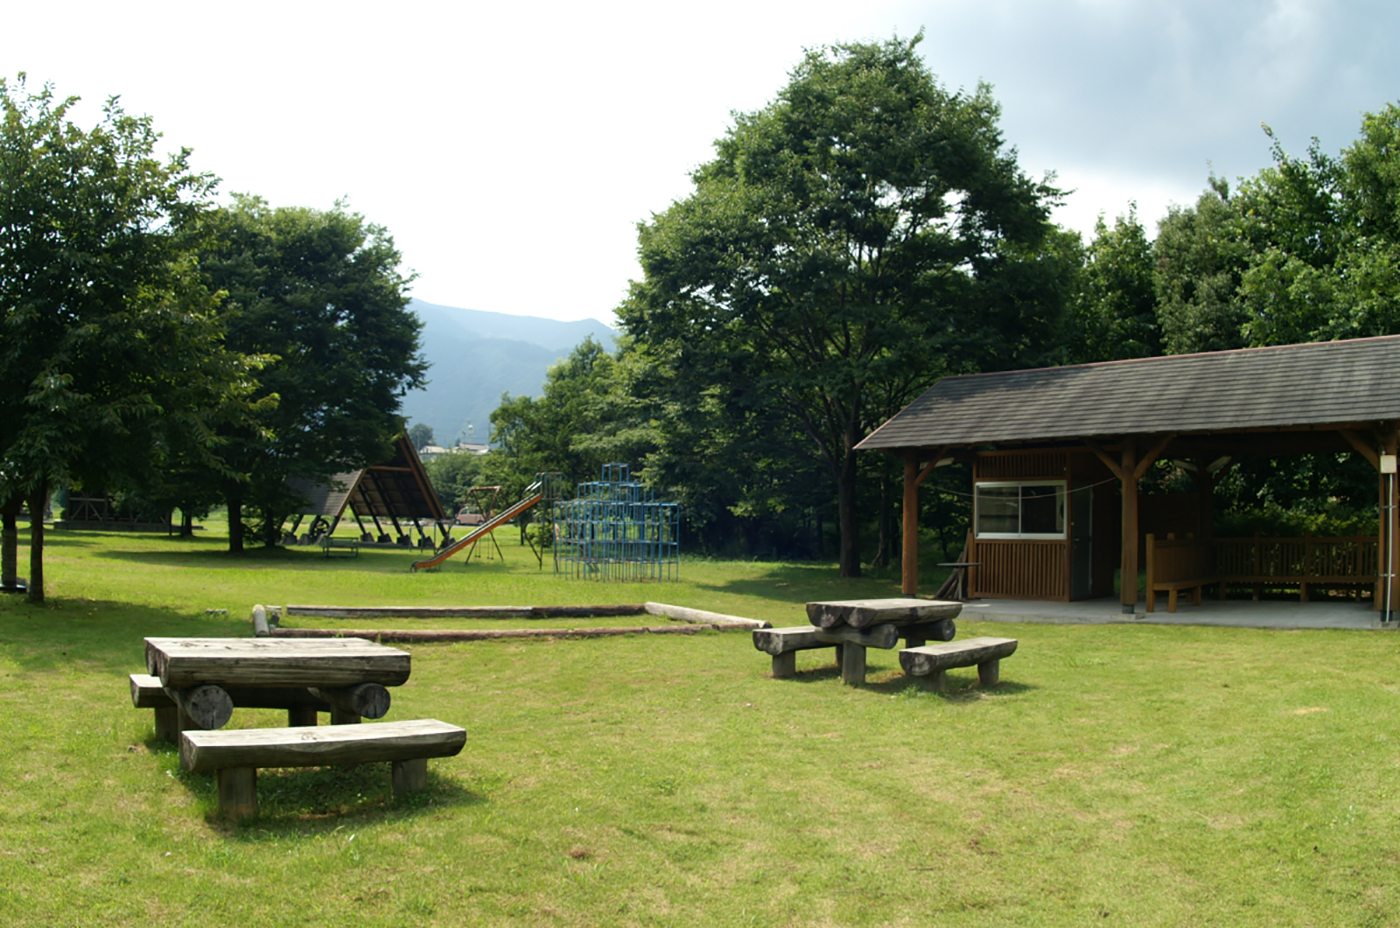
<point>195,683</point>
<point>851,626</point>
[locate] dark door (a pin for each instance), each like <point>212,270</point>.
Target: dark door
<point>1081,553</point>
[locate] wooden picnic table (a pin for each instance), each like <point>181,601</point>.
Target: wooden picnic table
<point>207,677</point>
<point>256,662</point>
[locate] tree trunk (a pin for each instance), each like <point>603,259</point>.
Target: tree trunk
<point>9,545</point>
<point>235,523</point>
<point>846,511</point>
<point>36,541</point>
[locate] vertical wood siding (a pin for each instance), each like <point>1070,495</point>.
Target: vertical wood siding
<point>1021,569</point>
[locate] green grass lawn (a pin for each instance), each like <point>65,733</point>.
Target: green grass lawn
<point>1120,775</point>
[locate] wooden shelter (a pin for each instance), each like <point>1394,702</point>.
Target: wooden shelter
<point>397,493</point>
<point>1057,454</point>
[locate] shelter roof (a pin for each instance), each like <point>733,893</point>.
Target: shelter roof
<point>397,488</point>
<point>1314,385</point>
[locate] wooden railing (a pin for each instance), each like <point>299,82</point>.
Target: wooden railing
<point>1302,561</point>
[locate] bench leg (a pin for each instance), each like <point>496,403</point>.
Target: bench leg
<point>301,717</point>
<point>238,792</point>
<point>1151,600</point>
<point>341,717</point>
<point>1171,600</point>
<point>409,776</point>
<point>168,724</point>
<point>853,664</point>
<point>936,682</point>
<point>989,673</point>
<point>784,665</point>
<point>839,653</point>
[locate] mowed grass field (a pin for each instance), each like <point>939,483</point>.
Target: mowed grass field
<point>1120,775</point>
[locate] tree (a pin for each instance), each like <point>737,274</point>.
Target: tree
<point>320,296</point>
<point>584,418</point>
<point>111,353</point>
<point>1199,263</point>
<point>421,434</point>
<point>1115,316</point>
<point>851,242</point>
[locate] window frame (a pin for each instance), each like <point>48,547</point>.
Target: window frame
<point>1061,501</point>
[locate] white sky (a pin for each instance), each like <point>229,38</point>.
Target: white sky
<point>512,148</point>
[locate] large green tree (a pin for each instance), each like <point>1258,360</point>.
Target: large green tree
<point>320,295</point>
<point>1115,314</point>
<point>110,349</point>
<point>863,234</point>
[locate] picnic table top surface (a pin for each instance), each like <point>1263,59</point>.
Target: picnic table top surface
<point>324,662</point>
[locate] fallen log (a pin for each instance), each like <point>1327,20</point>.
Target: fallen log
<point>700,616</point>
<point>409,636</point>
<point>464,612</point>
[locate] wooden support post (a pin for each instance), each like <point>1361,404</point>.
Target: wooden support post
<point>1129,570</point>
<point>205,707</point>
<point>785,665</point>
<point>989,673</point>
<point>910,514</point>
<point>301,717</point>
<point>937,681</point>
<point>853,664</point>
<point>409,776</point>
<point>341,716</point>
<point>238,792</point>
<point>168,723</point>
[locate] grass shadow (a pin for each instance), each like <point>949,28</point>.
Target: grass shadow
<point>313,802</point>
<point>100,635</point>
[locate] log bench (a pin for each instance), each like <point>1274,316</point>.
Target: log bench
<point>784,643</point>
<point>209,707</point>
<point>235,756</point>
<point>931,663</point>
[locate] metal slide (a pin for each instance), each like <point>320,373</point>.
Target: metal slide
<point>534,495</point>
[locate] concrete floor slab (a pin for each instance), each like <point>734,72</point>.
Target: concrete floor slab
<point>1231,613</point>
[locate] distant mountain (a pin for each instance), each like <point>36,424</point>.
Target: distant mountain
<point>476,356</point>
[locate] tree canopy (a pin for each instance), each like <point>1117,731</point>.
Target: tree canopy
<point>320,295</point>
<point>112,354</point>
<point>861,235</point>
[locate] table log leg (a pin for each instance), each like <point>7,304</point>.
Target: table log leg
<point>785,665</point>
<point>238,792</point>
<point>301,717</point>
<point>989,674</point>
<point>167,723</point>
<point>409,776</point>
<point>839,654</point>
<point>852,664</point>
<point>342,717</point>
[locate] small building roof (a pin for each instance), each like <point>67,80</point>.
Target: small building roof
<point>1319,384</point>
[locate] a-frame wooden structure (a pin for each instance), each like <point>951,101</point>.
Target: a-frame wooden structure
<point>395,494</point>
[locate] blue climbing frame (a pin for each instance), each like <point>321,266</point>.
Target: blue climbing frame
<point>616,530</point>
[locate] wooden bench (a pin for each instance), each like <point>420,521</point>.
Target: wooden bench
<point>1176,564</point>
<point>784,643</point>
<point>346,546</point>
<point>931,663</point>
<point>345,705</point>
<point>235,756</point>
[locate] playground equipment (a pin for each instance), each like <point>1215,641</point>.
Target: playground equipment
<point>616,530</point>
<point>546,486</point>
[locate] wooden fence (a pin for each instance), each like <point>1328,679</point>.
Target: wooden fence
<point>1259,562</point>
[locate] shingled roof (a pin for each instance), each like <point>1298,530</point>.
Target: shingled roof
<point>1318,384</point>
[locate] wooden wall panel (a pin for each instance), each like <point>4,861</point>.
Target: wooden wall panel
<point>1021,569</point>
